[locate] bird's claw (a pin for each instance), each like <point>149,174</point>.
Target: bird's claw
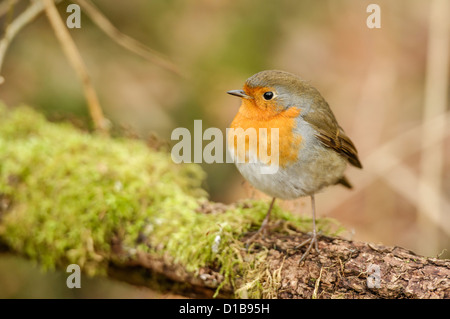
<point>260,233</point>
<point>311,241</point>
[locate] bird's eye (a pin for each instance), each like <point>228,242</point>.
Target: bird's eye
<point>268,96</point>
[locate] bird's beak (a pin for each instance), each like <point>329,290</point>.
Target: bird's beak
<point>239,93</point>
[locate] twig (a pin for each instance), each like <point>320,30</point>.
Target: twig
<point>376,165</point>
<point>6,6</point>
<point>317,284</point>
<point>436,83</point>
<point>378,83</point>
<point>406,182</point>
<point>124,40</point>
<point>27,16</point>
<point>75,59</point>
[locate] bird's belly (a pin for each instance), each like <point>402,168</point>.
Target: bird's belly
<point>305,177</point>
<point>279,184</point>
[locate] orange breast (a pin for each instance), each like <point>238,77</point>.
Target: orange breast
<point>251,116</point>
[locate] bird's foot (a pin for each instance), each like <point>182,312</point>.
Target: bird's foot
<point>262,231</point>
<point>312,242</point>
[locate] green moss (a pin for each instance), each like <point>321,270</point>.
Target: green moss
<point>72,193</point>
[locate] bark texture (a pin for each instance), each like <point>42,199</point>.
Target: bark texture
<point>342,269</point>
<point>118,208</point>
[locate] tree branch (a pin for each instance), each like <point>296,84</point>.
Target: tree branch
<point>67,197</point>
<point>341,270</point>
<point>75,59</point>
<point>35,8</point>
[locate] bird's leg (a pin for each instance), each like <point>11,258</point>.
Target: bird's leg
<point>313,240</point>
<point>266,219</point>
<point>263,227</point>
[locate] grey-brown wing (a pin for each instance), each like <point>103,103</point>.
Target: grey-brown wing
<point>330,134</point>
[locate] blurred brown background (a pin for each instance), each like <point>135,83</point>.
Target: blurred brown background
<point>382,84</point>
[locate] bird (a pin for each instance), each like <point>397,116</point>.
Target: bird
<point>313,150</point>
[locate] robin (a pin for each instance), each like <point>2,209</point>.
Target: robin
<point>313,150</point>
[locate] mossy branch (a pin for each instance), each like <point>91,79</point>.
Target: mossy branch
<point>119,209</point>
